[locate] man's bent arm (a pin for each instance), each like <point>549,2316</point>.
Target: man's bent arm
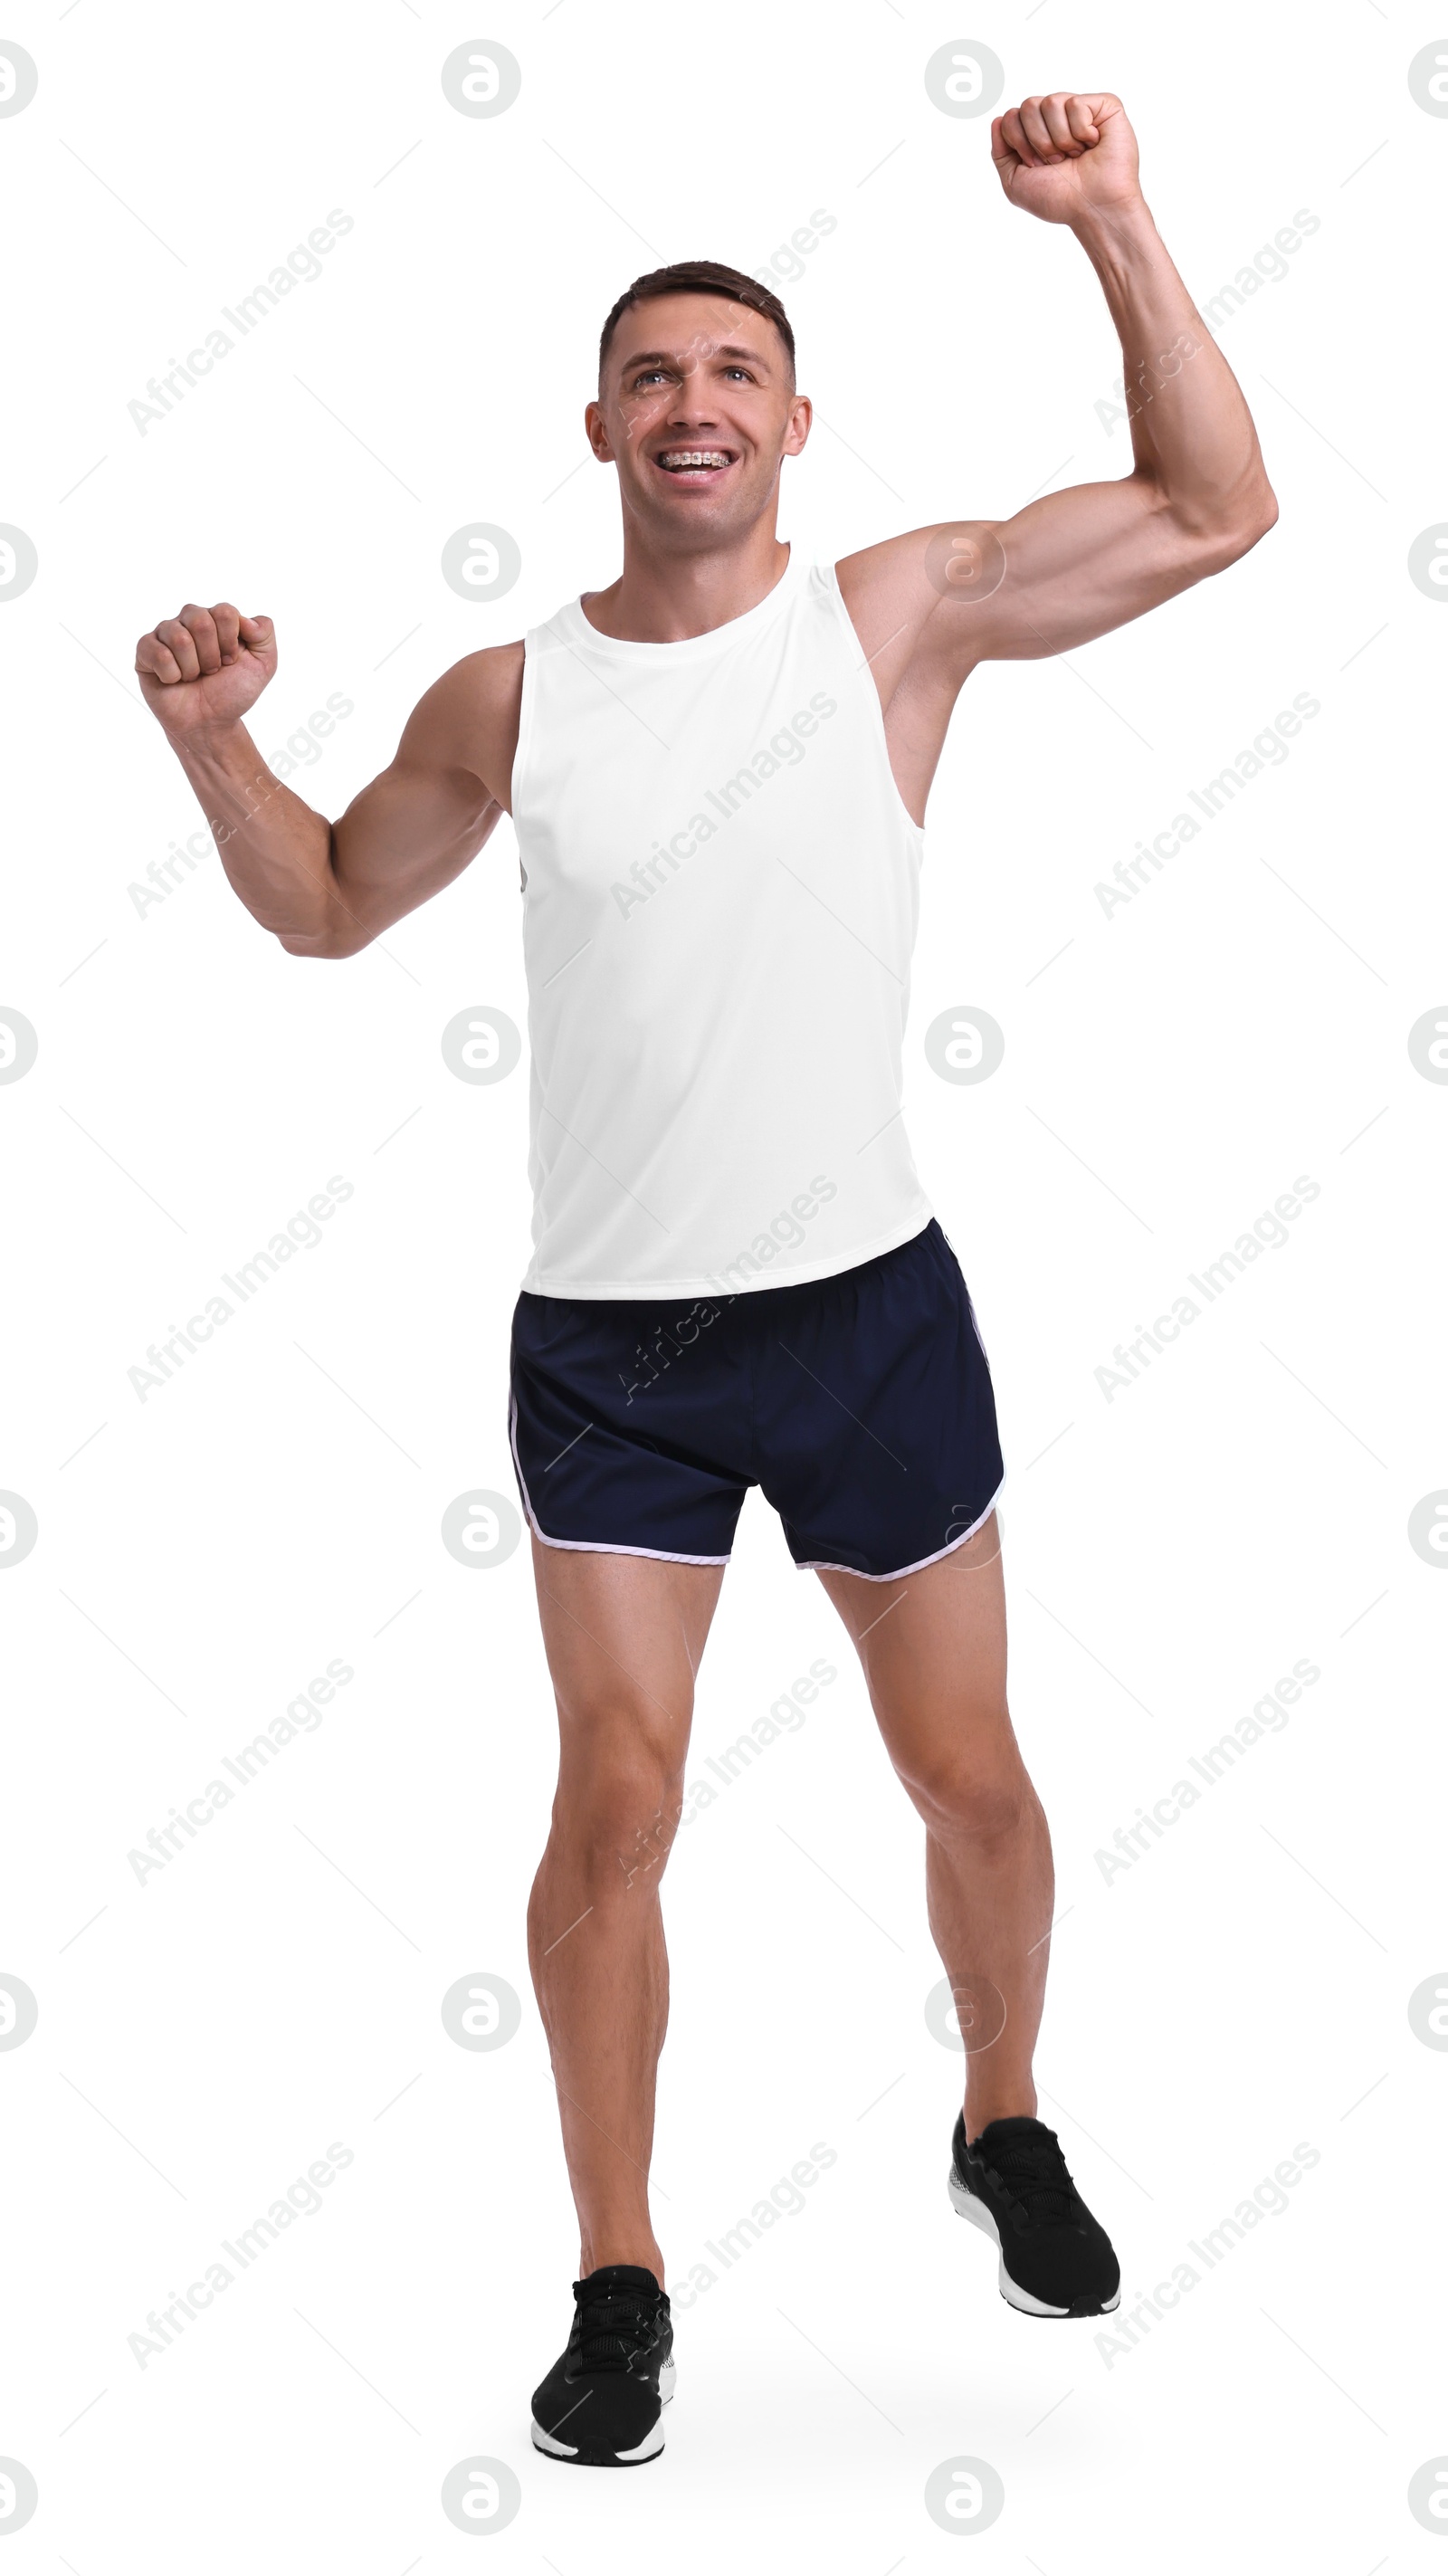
<point>1074,564</point>
<point>325,889</point>
<point>1080,562</point>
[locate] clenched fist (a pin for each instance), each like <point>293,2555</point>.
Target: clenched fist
<point>205,668</point>
<point>1066,157</point>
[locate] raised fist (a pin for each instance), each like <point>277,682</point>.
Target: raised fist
<point>205,668</point>
<point>1067,156</point>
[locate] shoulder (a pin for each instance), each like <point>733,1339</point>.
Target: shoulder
<point>486,683</point>
<point>468,718</point>
<point>955,562</point>
<point>490,674</point>
<point>909,599</point>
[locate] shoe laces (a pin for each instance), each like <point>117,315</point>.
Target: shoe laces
<point>614,2328</point>
<point>1033,2172</point>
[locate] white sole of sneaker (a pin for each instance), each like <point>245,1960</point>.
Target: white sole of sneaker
<point>648,2449</point>
<point>966,2205</point>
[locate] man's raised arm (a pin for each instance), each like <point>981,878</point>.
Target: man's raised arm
<point>1076,563</point>
<point>326,889</point>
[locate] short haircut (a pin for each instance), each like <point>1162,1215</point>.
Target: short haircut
<point>700,277</point>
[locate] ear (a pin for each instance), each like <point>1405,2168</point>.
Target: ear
<point>596,432</point>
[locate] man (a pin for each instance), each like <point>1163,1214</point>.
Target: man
<point>717,769</point>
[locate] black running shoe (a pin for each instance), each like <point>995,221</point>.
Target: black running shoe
<point>1056,2261</point>
<point>601,2403</point>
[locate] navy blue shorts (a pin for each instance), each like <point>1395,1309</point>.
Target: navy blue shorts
<point>861,1406</point>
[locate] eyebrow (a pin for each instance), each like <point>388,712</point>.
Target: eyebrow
<point>669,357</point>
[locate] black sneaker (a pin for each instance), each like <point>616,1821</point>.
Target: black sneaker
<point>1056,2261</point>
<point>601,2403</point>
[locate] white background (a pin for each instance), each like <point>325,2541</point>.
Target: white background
<point>1169,1070</point>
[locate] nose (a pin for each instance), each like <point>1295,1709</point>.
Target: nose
<point>692,407</point>
<point>691,410</point>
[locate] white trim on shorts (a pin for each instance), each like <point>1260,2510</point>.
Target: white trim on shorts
<point>590,1546</point>
<point>814,1565</point>
<point>671,1556</point>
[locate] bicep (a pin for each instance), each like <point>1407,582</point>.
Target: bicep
<point>415,827</point>
<point>405,837</point>
<point>1075,564</point>
<point>1066,568</point>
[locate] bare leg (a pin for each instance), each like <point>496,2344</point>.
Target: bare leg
<point>933,1649</point>
<point>623,1636</point>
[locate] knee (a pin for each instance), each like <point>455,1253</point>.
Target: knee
<point>616,1812</point>
<point>984,1804</point>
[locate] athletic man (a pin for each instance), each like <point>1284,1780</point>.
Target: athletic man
<point>717,770</point>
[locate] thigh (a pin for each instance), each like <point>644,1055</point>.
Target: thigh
<point>623,1636</point>
<point>932,1647</point>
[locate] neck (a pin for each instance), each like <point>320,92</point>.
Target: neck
<point>665,598</point>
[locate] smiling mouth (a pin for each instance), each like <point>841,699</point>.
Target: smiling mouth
<point>694,464</point>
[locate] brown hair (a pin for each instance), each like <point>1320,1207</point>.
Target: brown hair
<point>700,277</point>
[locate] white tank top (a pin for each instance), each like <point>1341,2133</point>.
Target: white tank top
<point>721,888</point>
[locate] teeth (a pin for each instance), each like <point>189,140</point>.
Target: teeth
<point>693,456</point>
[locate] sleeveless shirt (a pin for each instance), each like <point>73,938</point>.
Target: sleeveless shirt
<point>720,898</point>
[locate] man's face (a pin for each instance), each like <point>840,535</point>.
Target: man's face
<point>697,410</point>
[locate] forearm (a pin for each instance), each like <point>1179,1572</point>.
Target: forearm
<point>1191,431</point>
<point>278,854</point>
